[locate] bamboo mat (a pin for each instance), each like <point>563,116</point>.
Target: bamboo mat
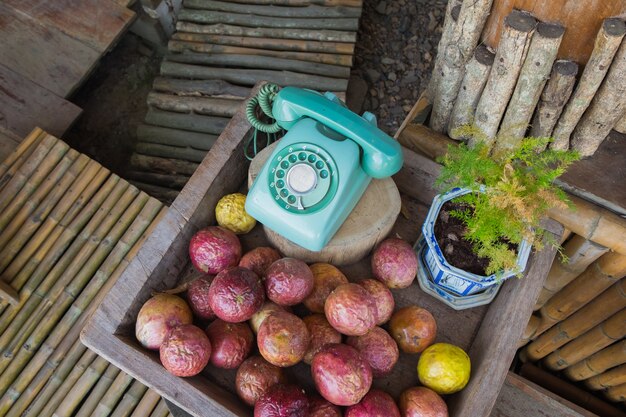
<point>220,50</point>
<point>68,228</point>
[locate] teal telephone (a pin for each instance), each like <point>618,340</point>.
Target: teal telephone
<point>318,171</point>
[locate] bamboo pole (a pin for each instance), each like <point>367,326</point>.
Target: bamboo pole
<point>606,108</point>
<point>217,88</point>
<point>206,48</point>
<point>112,396</point>
<point>616,393</point>
<point>579,254</point>
<point>599,276</point>
<point>612,377</point>
<point>542,51</point>
<point>456,52</point>
<point>28,144</point>
<point>61,337</point>
<point>174,137</point>
<point>168,151</point>
<point>162,165</point>
<point>593,223</point>
<point>595,312</point>
<point>82,386</point>
<point>621,125</point>
<point>553,98</point>
<point>44,198</point>
<point>107,381</point>
<point>41,223</point>
<point>589,343</point>
<point>160,410</point>
<point>606,44</point>
<point>62,273</point>
<point>201,105</point>
<point>278,11</point>
<point>130,400</point>
<point>476,74</point>
<point>69,207</point>
<point>147,404</point>
<point>57,387</point>
<point>213,17</point>
<point>599,362</point>
<point>530,330</point>
<point>261,62</point>
<point>295,45</point>
<point>245,77</point>
<point>279,33</point>
<point>36,270</point>
<point>31,173</point>
<point>102,261</point>
<point>516,33</point>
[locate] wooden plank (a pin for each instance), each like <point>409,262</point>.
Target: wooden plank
<point>43,54</point>
<point>96,23</point>
<point>25,105</point>
<point>522,398</point>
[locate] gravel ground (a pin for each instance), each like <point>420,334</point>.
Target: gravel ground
<point>395,51</point>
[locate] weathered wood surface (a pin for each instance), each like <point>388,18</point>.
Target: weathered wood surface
<point>278,33</point>
<point>369,222</point>
<point>54,59</point>
<point>606,108</point>
<point>174,137</point>
<point>162,165</point>
<point>9,141</point>
<point>333,59</point>
<point>555,95</point>
<point>621,125</point>
<point>206,17</point>
<point>532,78</point>
<point>456,53</point>
<point>176,182</point>
<point>25,105</point>
<point>162,260</point>
<point>186,104</point>
<point>211,125</point>
<point>77,19</point>
<point>346,3</point>
<point>476,74</point>
<point>213,88</point>
<point>453,8</point>
<point>170,151</point>
<point>522,398</point>
<point>252,76</point>
<point>425,141</point>
<point>586,16</point>
<point>606,44</point>
<point>507,65</point>
<point>261,62</point>
<point>309,11</point>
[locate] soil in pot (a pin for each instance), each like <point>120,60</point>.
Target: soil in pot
<point>457,250</point>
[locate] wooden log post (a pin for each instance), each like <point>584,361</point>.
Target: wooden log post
<point>599,276</point>
<point>277,33</point>
<point>591,342</point>
<point>517,31</point>
<point>607,42</point>
<point>456,52</point>
<point>476,74</point>
<point>215,88</point>
<point>598,310</point>
<point>542,51</point>
<point>621,125</point>
<point>556,93</point>
<point>605,110</point>
<point>617,393</point>
<point>453,8</point>
<point>580,253</point>
<point>610,378</point>
<point>425,141</point>
<point>599,362</point>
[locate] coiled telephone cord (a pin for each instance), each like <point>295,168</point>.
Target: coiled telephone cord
<point>264,100</point>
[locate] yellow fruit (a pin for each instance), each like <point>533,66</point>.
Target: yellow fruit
<point>230,214</point>
<point>444,368</point>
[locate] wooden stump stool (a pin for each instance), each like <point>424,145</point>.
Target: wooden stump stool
<point>369,223</point>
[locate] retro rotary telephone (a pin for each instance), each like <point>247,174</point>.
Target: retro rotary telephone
<point>321,167</point>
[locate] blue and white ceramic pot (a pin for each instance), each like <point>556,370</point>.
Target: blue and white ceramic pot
<point>449,278</point>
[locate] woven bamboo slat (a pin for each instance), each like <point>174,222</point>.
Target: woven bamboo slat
<point>612,377</point>
<point>113,395</point>
<point>589,343</point>
<point>160,410</point>
<point>51,309</point>
<point>106,382</point>
<point>599,276</point>
<point>599,362</point>
<point>28,144</point>
<point>599,309</point>
<point>130,400</point>
<point>147,404</point>
<point>83,385</point>
<point>580,253</point>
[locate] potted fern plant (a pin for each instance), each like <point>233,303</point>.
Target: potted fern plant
<point>481,228</point>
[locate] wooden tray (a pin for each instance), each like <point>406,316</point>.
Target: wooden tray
<point>489,333</point>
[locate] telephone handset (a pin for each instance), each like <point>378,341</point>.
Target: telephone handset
<point>321,167</point>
